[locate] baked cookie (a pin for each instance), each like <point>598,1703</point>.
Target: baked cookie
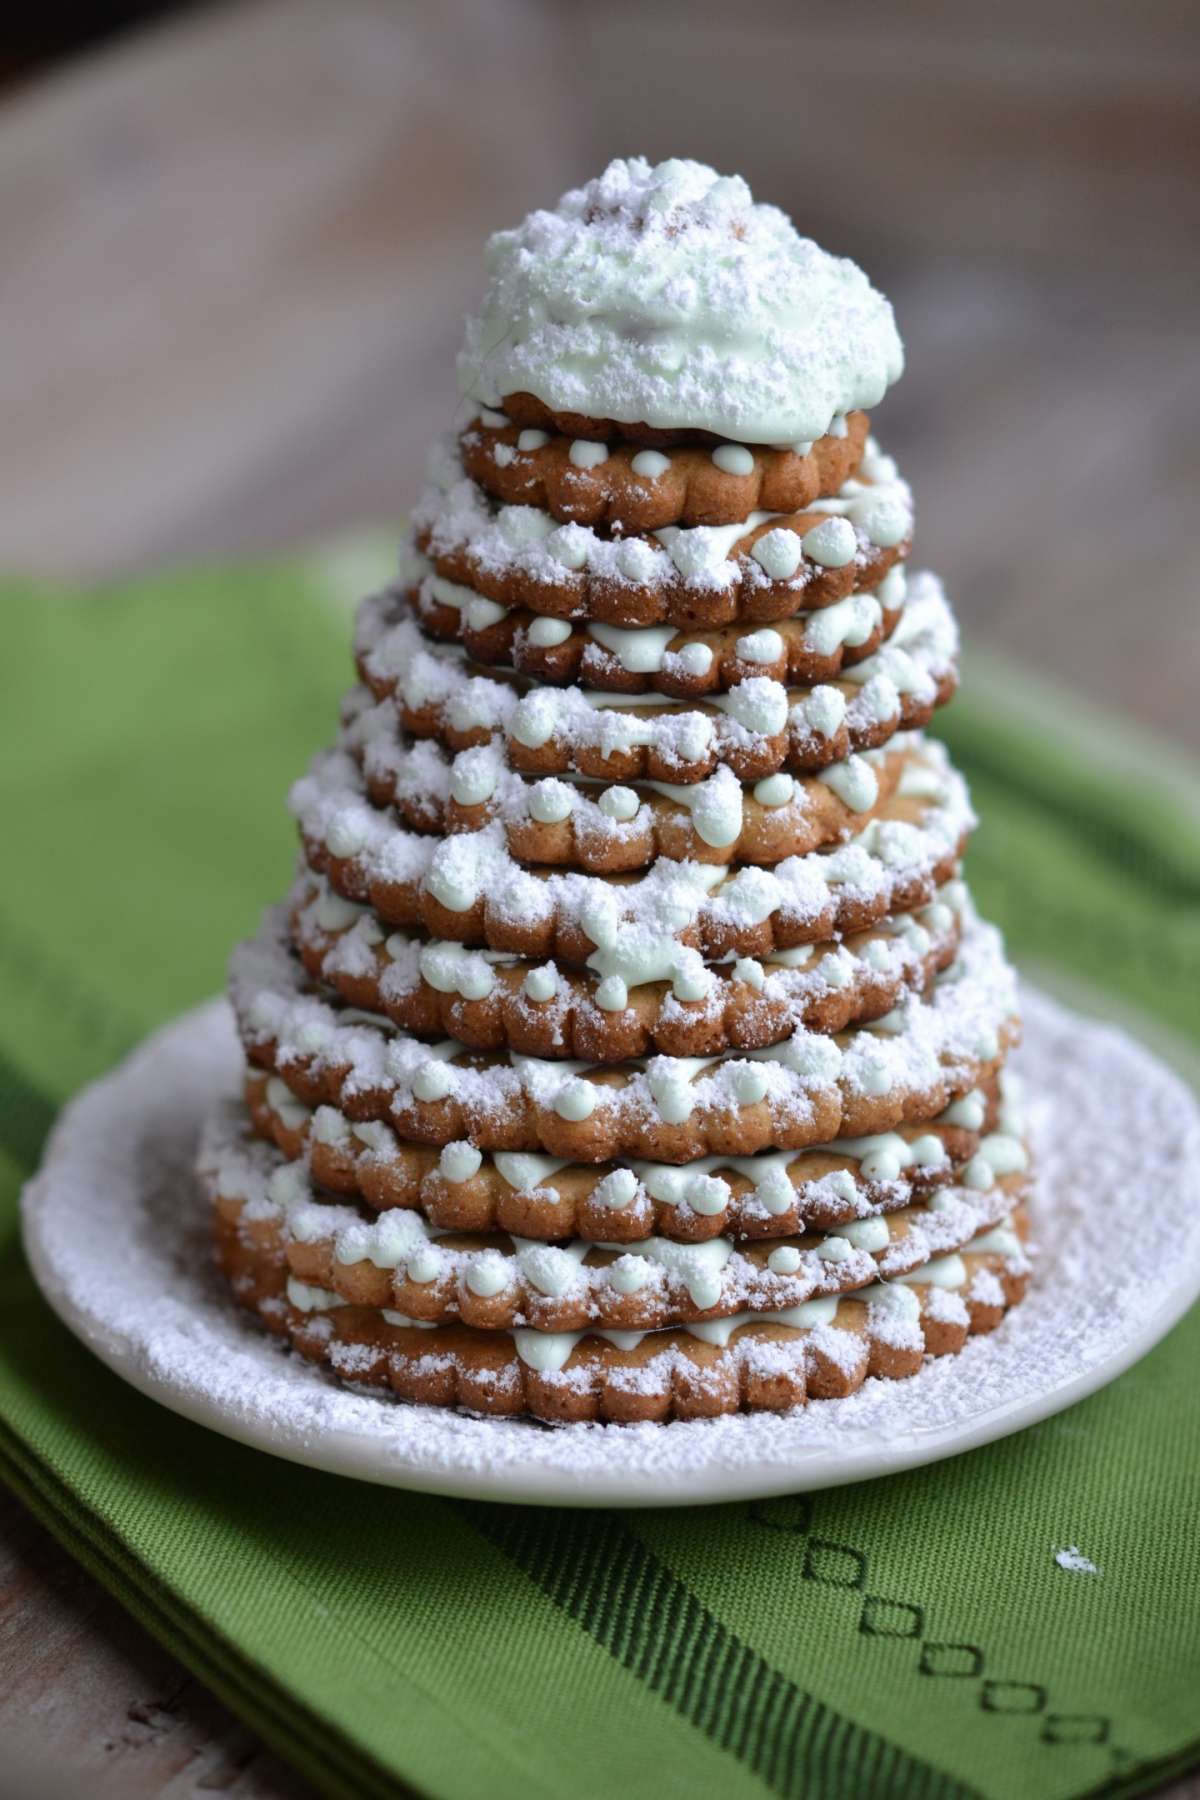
<point>904,1067</point>
<point>638,659</point>
<point>756,727</point>
<point>822,1349</point>
<point>459,1188</point>
<point>606,828</point>
<point>630,488</point>
<point>490,1000</point>
<point>496,1282</point>
<point>470,888</point>
<point>767,566</point>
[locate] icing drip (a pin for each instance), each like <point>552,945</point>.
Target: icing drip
<point>646,917</point>
<point>968,1002</point>
<point>920,652</point>
<point>306,1298</point>
<point>454,516</point>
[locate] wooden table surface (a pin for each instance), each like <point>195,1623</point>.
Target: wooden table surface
<point>238,250</point>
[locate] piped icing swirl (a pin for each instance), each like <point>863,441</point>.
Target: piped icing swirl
<point>663,294</point>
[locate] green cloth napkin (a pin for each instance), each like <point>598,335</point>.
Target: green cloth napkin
<point>912,1636</point>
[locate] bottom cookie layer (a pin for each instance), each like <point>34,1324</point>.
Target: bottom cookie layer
<point>824,1349</point>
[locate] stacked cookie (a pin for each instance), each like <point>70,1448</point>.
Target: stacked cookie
<point>628,1046</point>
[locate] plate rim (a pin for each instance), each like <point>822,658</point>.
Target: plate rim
<point>339,1451</point>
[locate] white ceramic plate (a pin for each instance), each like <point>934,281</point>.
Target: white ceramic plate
<point>116,1233</point>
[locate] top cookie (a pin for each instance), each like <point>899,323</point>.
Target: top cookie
<point>578,481</point>
<point>663,296</point>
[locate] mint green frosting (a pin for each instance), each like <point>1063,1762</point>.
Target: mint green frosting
<point>664,294</point>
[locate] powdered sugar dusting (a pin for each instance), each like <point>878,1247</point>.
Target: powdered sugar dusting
<point>1073,1559</point>
<point>118,1236</point>
<point>664,295</point>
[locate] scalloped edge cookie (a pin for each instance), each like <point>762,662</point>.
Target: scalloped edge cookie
<point>641,659</point>
<point>601,828</point>
<point>903,1067</point>
<point>494,1282</point>
<point>763,1196</point>
<point>825,1351</point>
<point>524,409</point>
<point>488,1000</point>
<point>469,888</point>
<point>765,567</point>
<point>756,728</point>
<point>637,488</point>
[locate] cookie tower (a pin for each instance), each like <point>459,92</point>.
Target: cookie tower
<point>627,1047</point>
